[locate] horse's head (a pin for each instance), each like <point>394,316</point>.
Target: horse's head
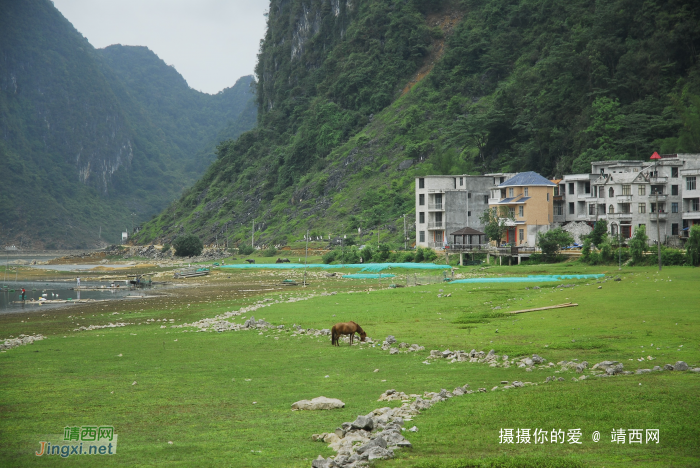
<point>363,335</point>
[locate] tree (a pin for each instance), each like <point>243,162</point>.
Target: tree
<point>495,223</point>
<point>692,246</point>
<point>188,246</point>
<point>638,244</point>
<point>553,240</point>
<point>599,233</point>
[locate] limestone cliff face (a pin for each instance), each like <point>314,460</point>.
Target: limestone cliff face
<point>298,35</point>
<point>63,101</point>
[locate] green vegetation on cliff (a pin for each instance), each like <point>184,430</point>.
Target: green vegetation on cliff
<point>517,85</point>
<point>88,137</point>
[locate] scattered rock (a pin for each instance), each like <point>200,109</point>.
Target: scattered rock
<point>319,403</point>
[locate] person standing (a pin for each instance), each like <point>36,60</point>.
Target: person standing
<point>24,293</point>
<point>78,279</point>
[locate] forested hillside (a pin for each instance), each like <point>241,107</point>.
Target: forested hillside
<point>356,98</point>
<point>92,141</point>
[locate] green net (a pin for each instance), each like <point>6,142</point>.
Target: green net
<point>369,267</point>
<point>526,279</point>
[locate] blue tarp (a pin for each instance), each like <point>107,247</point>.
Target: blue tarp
<point>526,279</point>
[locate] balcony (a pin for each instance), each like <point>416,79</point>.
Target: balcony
<point>663,216</point>
<point>658,180</point>
<point>434,226</point>
<point>624,198</point>
<point>662,196</point>
<point>620,216</point>
<point>582,196</point>
<point>691,214</point>
<point>436,207</point>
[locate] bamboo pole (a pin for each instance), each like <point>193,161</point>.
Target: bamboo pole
<point>558,306</point>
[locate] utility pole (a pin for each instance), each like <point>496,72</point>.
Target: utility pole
<point>619,248</point>
<point>252,234</point>
<point>405,239</point>
<point>656,158</point>
<point>306,257</point>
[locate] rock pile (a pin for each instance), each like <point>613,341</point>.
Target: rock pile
<point>21,340</point>
<point>402,347</point>
<point>98,327</point>
<point>577,230</point>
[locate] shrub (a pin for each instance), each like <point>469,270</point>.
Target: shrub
<point>245,249</point>
<point>269,252</point>
<point>165,248</point>
<point>599,234</point>
<point>329,257</point>
<point>420,255</point>
<point>692,246</point>
<point>638,245</point>
<point>349,255</point>
<point>188,246</point>
<point>429,255</point>
<point>382,255</point>
<point>606,253</point>
<point>407,257</point>
<point>672,256</point>
<point>367,253</point>
<point>552,241</point>
<point>586,250</point>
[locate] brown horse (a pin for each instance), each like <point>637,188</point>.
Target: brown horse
<point>347,328</point>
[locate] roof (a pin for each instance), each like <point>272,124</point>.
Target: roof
<point>467,231</point>
<point>527,178</point>
<point>507,201</point>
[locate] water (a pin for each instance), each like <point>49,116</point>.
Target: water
<point>373,267</point>
<point>11,301</point>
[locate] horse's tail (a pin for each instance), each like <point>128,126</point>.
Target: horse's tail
<point>333,335</point>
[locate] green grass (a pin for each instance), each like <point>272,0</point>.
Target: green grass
<point>194,392</point>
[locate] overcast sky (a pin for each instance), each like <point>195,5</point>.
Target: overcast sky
<point>211,43</point>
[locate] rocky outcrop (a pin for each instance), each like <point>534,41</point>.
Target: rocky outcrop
<point>318,403</point>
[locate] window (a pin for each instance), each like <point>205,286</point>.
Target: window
<point>595,191</point>
<point>421,236</point>
<point>695,204</point>
<point>657,189</point>
<point>642,190</point>
<point>438,218</point>
<point>674,229</point>
<point>626,231</point>
<point>602,171</point>
<point>469,195</point>
<point>611,192</point>
<point>674,172</point>
<point>587,187</point>
<point>521,233</point>
<point>502,179</point>
<point>591,209</point>
<point>526,194</point>
<point>521,211</point>
<point>510,192</point>
<point>511,212</point>
<point>461,181</point>
<point>421,218</point>
<point>486,199</point>
<point>438,237</point>
<point>421,199</point>
<point>674,190</point>
<point>674,207</point>
<point>571,188</point>
<point>556,191</point>
<point>625,208</point>
<point>571,208</point>
<point>547,196</point>
<point>642,208</point>
<point>690,183</point>
<point>627,190</point>
<point>421,182</point>
<point>469,213</point>
<point>558,208</point>
<point>611,209</point>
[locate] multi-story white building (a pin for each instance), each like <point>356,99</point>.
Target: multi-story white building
<point>446,204</point>
<point>628,194</point>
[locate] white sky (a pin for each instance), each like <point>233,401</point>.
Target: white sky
<point>211,43</point>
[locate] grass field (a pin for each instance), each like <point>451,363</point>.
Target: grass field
<point>223,399</point>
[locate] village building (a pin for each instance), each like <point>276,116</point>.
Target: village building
<point>447,204</point>
<point>528,199</point>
